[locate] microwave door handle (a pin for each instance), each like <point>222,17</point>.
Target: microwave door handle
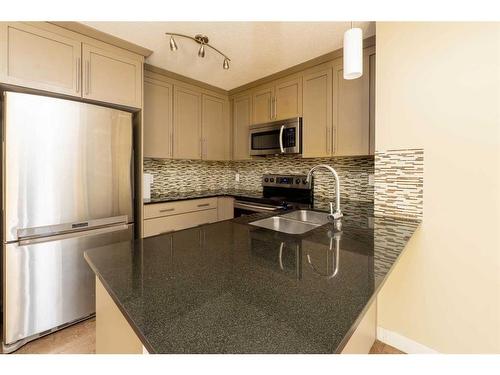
<point>281,138</point>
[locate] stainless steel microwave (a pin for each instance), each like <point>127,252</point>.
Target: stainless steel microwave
<point>277,137</point>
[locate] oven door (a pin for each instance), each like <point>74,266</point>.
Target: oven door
<point>279,137</point>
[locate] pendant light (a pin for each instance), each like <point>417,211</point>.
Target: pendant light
<point>353,53</point>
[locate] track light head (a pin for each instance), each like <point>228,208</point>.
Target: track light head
<point>201,51</point>
<point>173,45</point>
<point>225,65</point>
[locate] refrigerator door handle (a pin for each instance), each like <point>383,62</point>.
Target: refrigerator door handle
<point>59,237</point>
<point>26,234</point>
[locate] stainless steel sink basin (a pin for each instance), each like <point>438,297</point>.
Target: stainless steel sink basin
<point>282,224</point>
<point>311,217</point>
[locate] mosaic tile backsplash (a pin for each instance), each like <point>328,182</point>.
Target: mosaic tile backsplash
<point>399,183</point>
<point>195,175</point>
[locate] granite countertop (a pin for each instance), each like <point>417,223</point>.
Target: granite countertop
<point>179,196</point>
<point>227,287</point>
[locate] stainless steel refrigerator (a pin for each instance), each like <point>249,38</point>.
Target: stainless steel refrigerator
<point>67,186</point>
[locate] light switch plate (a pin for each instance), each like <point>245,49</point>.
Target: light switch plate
<point>237,177</point>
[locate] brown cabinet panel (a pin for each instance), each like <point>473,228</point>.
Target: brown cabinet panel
<point>288,99</point>
<point>351,111</point>
<point>215,128</point>
<point>112,78</point>
<point>187,123</point>
<point>242,118</point>
<point>317,113</point>
<point>157,124</point>
<point>263,99</point>
<point>39,59</point>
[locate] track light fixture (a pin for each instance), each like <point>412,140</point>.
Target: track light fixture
<point>202,40</point>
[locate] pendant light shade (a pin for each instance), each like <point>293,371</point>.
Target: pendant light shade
<point>353,53</point>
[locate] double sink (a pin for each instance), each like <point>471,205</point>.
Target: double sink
<point>296,222</point>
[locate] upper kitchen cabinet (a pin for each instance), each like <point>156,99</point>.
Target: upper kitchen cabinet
<point>242,118</point>
<point>39,59</point>
<point>288,98</point>
<point>112,76</point>
<point>279,100</point>
<point>263,105</point>
<point>317,112</point>
<point>187,123</point>
<point>215,128</point>
<point>351,109</point>
<point>44,56</point>
<point>157,124</point>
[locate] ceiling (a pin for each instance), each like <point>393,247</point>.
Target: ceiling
<point>256,49</point>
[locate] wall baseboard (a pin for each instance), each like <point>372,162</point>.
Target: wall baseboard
<point>402,343</point>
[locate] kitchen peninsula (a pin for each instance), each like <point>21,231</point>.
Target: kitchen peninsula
<point>231,287</point>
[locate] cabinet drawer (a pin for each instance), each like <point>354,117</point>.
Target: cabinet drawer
<point>165,224</point>
<point>175,208</point>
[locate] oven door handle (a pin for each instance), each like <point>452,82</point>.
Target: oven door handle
<point>239,204</point>
<point>281,139</point>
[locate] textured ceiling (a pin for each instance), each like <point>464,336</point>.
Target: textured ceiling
<point>256,49</point>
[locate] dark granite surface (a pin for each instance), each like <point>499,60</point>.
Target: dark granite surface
<point>225,288</point>
<point>180,196</point>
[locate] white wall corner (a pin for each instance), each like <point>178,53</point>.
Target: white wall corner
<point>402,343</point>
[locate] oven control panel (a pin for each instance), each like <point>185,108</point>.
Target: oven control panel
<point>286,181</point>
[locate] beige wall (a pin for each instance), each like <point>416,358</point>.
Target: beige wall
<point>438,87</point>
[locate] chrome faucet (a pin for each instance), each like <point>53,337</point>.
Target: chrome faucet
<point>334,214</point>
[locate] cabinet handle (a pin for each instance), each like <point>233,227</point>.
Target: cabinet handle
<point>167,210</point>
<point>78,74</point>
<point>204,205</point>
<point>275,108</point>
<point>334,142</point>
<point>87,74</point>
<point>271,108</point>
<point>327,139</point>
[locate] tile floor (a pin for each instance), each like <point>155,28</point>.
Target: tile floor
<point>80,339</point>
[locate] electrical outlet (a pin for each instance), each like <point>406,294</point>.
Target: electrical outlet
<point>371,179</point>
<point>237,177</point>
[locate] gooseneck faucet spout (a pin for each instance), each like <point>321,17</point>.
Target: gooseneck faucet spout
<point>337,213</point>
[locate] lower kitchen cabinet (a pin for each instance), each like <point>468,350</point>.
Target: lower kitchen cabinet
<point>167,217</point>
<point>165,224</point>
<point>225,208</point>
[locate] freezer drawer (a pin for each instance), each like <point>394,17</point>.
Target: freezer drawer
<point>48,283</point>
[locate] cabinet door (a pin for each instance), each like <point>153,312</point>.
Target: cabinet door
<point>215,128</point>
<point>39,59</point>
<point>187,123</point>
<point>111,77</point>
<point>263,105</point>
<point>288,99</point>
<point>317,113</point>
<point>351,114</point>
<point>242,117</point>
<point>158,101</point>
